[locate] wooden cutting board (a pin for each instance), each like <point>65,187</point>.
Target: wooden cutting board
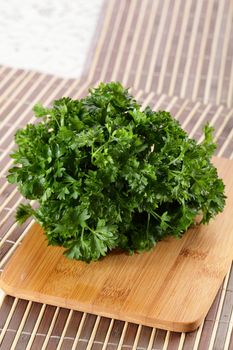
<point>171,287</point>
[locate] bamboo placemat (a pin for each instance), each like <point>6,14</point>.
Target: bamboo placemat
<point>182,48</point>
<point>173,49</point>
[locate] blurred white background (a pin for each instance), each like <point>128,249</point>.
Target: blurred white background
<point>49,36</point>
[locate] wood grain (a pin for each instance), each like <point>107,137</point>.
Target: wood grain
<point>171,287</point>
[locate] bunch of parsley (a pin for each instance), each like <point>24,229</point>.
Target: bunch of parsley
<point>107,175</point>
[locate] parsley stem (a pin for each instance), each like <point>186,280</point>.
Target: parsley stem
<point>92,231</point>
<point>82,233</point>
<point>56,121</point>
<point>100,148</point>
<point>157,216</point>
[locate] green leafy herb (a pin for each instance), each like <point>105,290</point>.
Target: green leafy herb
<point>106,174</point>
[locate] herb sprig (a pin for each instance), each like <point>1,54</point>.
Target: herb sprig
<point>106,174</point>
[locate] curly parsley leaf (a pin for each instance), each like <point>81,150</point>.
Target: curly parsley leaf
<point>106,174</point>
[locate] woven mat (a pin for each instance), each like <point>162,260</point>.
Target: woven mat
<point>182,48</point>
<point>164,52</point>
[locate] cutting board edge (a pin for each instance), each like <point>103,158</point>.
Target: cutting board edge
<point>173,326</point>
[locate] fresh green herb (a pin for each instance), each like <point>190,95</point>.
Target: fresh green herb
<point>107,175</point>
